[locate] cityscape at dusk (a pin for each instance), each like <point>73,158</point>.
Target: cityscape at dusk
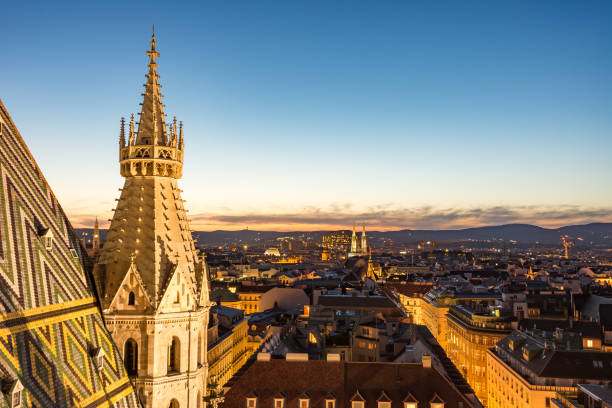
<point>306,205</point>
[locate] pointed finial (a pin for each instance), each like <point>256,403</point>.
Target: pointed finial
<point>173,133</point>
<point>131,136</point>
<point>122,133</point>
<point>152,53</point>
<point>180,141</point>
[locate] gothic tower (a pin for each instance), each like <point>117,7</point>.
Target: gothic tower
<point>353,242</point>
<point>95,242</point>
<point>151,281</point>
<point>364,244</point>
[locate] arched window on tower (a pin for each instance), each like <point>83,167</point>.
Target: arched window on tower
<point>131,299</point>
<point>174,404</point>
<point>173,355</point>
<point>130,357</point>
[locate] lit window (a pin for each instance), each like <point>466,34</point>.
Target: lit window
<point>251,402</point>
<point>330,403</point>
<point>279,403</point>
<point>589,343</point>
<point>304,403</point>
<point>410,405</point>
<point>357,404</point>
<point>384,404</point>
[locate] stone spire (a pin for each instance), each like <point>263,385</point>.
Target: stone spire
<point>151,150</point>
<point>149,228</point>
<point>354,241</point>
<point>95,242</point>
<point>151,128</point>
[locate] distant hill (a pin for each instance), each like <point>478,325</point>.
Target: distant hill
<point>589,234</point>
<point>595,234</point>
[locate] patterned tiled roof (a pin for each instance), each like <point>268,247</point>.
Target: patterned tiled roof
<point>50,325</point>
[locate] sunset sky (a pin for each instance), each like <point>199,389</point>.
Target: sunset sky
<point>311,115</point>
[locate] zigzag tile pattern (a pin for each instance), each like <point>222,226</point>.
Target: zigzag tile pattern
<point>49,318</point>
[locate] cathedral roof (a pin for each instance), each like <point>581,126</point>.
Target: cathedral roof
<point>52,338</point>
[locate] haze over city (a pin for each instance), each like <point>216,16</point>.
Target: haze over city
<point>311,116</point>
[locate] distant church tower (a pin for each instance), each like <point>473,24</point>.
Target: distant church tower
<point>95,242</point>
<point>153,285</point>
<point>353,242</point>
<point>364,244</point>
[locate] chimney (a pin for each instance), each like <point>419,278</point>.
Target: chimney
<point>296,357</point>
<point>333,357</point>
<point>426,361</point>
<point>263,356</point>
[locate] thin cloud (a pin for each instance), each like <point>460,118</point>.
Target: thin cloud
<point>426,217</point>
<point>381,217</point>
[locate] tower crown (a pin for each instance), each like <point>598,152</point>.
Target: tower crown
<point>155,148</point>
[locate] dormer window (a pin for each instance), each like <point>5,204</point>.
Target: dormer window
<point>383,401</point>
<point>304,400</point>
<point>330,400</point>
<point>16,399</point>
<point>410,401</point>
<point>357,400</point>
<point>14,394</point>
<point>251,402</point>
<point>436,402</point>
<point>47,237</point>
<point>98,358</point>
<point>280,400</point>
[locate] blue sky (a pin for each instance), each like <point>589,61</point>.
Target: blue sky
<point>308,115</point>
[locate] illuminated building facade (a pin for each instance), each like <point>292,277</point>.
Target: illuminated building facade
<point>433,314</point>
<point>526,370</point>
<point>470,334</point>
<point>336,240</point>
<point>227,343</point>
<point>410,296</point>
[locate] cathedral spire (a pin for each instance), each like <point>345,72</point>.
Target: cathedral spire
<point>151,129</point>
<point>95,242</point>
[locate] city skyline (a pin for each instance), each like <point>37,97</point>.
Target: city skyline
<point>421,125</point>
